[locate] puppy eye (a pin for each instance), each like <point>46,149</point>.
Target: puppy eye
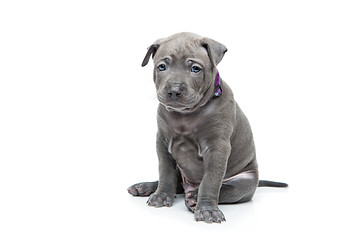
<point>162,67</point>
<point>195,69</point>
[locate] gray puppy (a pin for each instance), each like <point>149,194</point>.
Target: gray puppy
<point>204,142</point>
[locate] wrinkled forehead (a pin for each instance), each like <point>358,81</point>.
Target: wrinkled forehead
<point>181,50</point>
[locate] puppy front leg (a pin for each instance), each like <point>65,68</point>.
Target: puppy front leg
<point>215,162</point>
<point>166,190</point>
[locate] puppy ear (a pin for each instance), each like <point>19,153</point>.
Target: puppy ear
<point>215,50</point>
<point>151,51</point>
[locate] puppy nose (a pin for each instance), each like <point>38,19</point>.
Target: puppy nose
<point>176,91</point>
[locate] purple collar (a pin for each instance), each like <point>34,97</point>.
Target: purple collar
<point>218,89</point>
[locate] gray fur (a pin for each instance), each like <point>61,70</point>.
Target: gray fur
<point>204,144</point>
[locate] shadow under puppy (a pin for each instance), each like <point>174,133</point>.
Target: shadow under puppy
<point>204,142</point>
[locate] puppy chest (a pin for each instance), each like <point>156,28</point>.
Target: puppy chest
<point>185,151</point>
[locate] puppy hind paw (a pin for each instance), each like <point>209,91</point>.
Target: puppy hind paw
<point>142,189</point>
<point>191,200</point>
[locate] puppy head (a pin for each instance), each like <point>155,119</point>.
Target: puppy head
<point>184,70</point>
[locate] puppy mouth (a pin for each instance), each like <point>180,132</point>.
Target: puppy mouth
<point>180,106</point>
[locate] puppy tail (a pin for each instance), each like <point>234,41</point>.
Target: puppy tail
<point>265,183</point>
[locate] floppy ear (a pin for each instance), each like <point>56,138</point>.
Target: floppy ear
<point>216,50</point>
<point>151,51</point>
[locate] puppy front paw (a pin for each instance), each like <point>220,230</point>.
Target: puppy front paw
<point>161,199</point>
<point>209,215</point>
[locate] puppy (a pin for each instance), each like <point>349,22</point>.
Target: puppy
<point>204,142</point>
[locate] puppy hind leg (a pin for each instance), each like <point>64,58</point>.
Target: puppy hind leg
<point>240,188</point>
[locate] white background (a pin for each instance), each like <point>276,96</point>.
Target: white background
<point>78,116</point>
